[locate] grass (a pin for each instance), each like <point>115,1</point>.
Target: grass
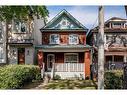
<point>62,84</point>
<point>70,84</point>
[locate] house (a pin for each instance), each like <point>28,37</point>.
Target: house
<point>115,41</point>
<point>18,39</point>
<point>63,50</point>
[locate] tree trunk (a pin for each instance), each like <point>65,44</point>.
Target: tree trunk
<point>101,48</point>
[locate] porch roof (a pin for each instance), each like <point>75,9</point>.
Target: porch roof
<point>63,48</point>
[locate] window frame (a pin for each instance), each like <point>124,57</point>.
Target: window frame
<point>52,42</point>
<point>77,36</point>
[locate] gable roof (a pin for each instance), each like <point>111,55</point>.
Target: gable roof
<point>74,24</point>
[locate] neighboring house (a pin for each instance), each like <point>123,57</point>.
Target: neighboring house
<point>18,39</point>
<point>115,40</point>
<point>63,49</point>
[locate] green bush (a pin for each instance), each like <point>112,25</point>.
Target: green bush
<point>113,79</point>
<point>15,76</point>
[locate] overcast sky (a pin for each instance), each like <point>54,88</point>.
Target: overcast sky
<point>88,15</point>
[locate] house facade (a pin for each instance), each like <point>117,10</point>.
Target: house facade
<point>115,41</point>
<point>18,39</point>
<point>63,49</point>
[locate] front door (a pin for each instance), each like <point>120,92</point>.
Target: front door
<point>50,61</point>
<point>21,55</point>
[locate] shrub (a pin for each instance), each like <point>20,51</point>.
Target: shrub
<point>15,76</point>
<point>113,79</point>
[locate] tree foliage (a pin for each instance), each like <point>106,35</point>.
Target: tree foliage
<point>22,12</point>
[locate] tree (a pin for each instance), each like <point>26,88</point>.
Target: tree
<point>101,48</point>
<point>22,12</point>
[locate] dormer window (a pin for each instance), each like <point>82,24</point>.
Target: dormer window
<point>73,39</point>
<point>54,39</point>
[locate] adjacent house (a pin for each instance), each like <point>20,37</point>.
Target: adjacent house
<point>63,49</point>
<point>18,39</point>
<point>115,41</point>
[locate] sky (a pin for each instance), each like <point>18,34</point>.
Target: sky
<point>88,15</point>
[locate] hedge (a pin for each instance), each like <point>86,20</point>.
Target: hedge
<point>113,79</point>
<point>15,76</point>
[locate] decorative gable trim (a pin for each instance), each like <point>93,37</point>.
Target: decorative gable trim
<point>82,27</point>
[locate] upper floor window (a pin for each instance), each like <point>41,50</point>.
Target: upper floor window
<point>118,25</point>
<point>73,39</point>
<point>54,39</point>
<point>20,26</point>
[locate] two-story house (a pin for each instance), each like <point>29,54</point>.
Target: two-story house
<point>115,40</point>
<point>18,39</point>
<point>64,47</point>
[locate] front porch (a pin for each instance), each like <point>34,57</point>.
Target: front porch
<point>67,64</point>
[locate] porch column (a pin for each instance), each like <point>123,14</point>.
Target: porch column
<point>87,60</point>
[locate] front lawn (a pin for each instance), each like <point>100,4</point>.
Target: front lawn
<point>69,84</point>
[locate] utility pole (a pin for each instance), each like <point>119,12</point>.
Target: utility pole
<point>101,48</point>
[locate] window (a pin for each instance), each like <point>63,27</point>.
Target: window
<point>116,25</point>
<point>54,39</point>
<point>73,39</point>
<point>71,58</point>
<point>20,26</point>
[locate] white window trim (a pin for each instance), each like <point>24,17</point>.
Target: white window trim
<point>58,39</point>
<point>77,39</point>
<point>71,54</point>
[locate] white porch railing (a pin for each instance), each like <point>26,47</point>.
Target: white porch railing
<point>69,67</point>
